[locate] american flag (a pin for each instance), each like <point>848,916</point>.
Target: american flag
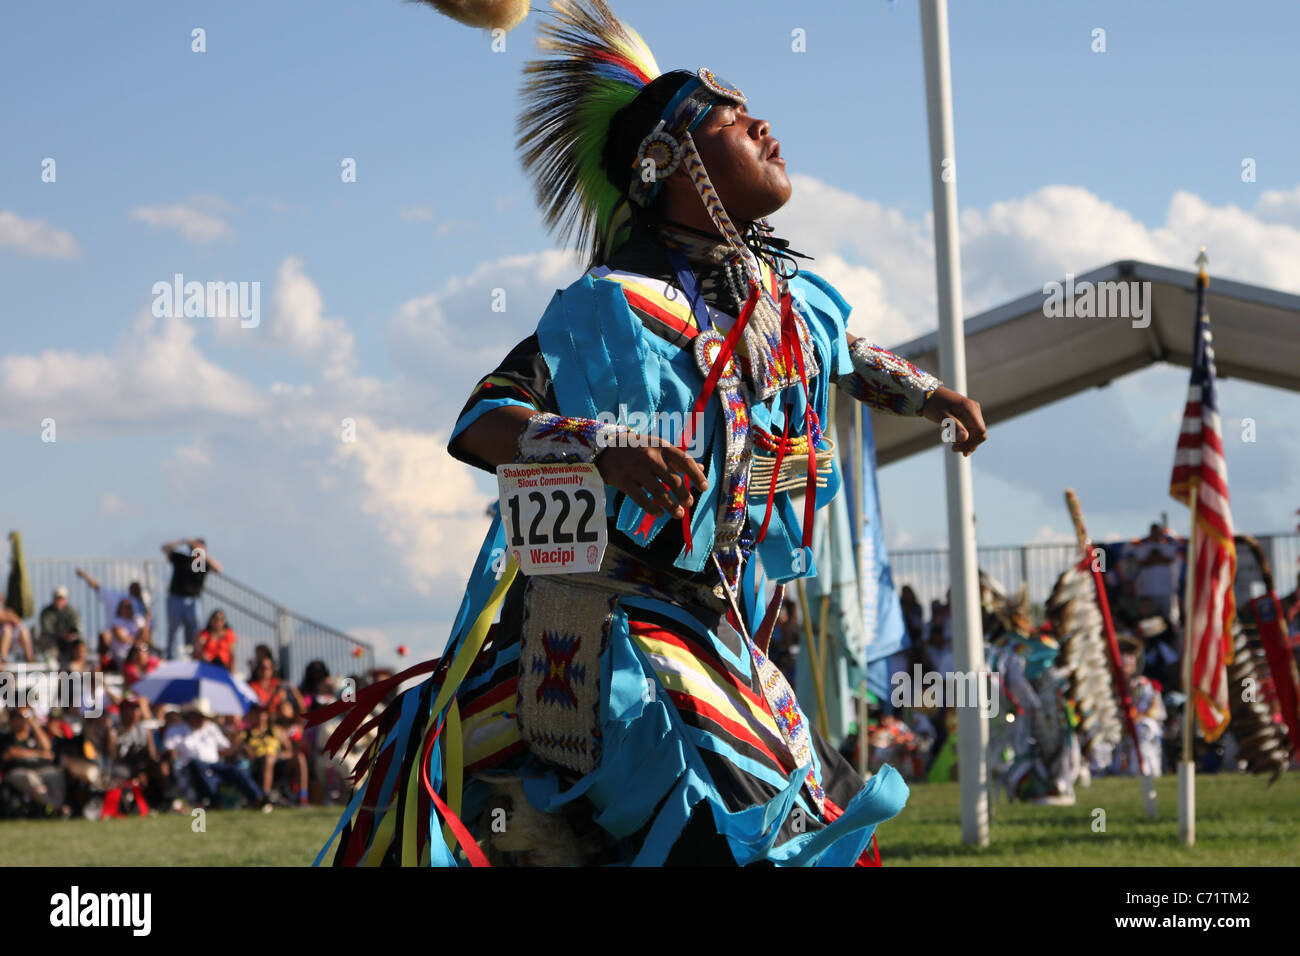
<point>1199,464</point>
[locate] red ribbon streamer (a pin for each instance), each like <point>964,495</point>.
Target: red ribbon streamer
<point>467,842</point>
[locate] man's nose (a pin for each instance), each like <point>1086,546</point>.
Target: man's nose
<point>762,127</point>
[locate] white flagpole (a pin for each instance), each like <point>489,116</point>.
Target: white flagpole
<point>968,638</point>
<point>1187,766</point>
<point>859,482</point>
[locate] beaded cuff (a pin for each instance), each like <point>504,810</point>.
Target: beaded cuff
<point>887,382</point>
<point>549,438</point>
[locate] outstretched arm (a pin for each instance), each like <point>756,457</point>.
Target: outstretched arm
<point>890,383</point>
<point>94,585</point>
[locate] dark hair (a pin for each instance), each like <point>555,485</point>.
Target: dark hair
<point>633,122</point>
<point>312,676</point>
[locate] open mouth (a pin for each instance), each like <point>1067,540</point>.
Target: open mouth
<point>776,150</point>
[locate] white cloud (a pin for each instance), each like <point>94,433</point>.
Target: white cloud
<point>877,253</point>
<point>1280,205</point>
<point>296,323</point>
<point>427,504</point>
<point>112,504</point>
<point>35,237</point>
<point>1046,534</point>
<point>453,337</point>
<point>884,261</point>
<point>197,219</point>
<point>156,376</point>
<point>417,214</point>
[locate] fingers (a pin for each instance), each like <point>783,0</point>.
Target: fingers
<point>973,421</point>
<point>665,499</point>
<point>679,460</point>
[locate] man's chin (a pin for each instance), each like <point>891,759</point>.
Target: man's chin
<point>770,203</point>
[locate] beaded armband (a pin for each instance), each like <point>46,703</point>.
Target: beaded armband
<point>887,382</point>
<point>549,438</point>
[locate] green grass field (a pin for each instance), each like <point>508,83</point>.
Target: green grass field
<point>1240,822</point>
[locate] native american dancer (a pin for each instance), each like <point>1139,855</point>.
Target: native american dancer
<point>1034,751</point>
<point>630,715</point>
<point>1148,713</point>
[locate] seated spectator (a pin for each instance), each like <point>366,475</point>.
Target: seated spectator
<point>317,690</point>
<point>317,687</point>
<point>216,642</point>
<point>138,758</point>
<point>58,726</point>
<point>202,752</point>
<point>60,624</point>
<point>124,630</point>
<point>11,625</point>
<point>27,762</point>
<point>289,724</point>
<point>266,749</point>
<point>86,759</point>
<point>140,660</point>
<point>141,606</point>
<point>129,618</point>
<point>270,689</point>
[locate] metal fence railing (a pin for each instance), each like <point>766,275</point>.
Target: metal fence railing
<point>1038,565</point>
<point>256,619</point>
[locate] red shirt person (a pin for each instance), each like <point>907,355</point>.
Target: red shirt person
<point>216,642</point>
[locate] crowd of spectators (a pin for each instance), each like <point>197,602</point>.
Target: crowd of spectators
<point>114,752</point>
<point>120,750</point>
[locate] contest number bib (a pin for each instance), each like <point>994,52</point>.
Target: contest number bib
<point>554,516</point>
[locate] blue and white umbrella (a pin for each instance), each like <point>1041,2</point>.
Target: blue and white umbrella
<point>179,682</point>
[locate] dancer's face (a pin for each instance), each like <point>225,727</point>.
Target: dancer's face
<point>743,161</point>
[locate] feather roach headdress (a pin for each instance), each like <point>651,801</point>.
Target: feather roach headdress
<point>598,67</point>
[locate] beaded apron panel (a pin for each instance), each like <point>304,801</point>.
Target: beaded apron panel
<point>565,628</point>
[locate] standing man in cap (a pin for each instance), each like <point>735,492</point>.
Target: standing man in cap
<point>60,624</point>
<point>189,568</point>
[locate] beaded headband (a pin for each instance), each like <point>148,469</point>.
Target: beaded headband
<point>660,153</point>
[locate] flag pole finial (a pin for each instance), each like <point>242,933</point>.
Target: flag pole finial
<point>1202,260</point>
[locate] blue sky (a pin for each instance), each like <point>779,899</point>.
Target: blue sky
<point>225,165</point>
